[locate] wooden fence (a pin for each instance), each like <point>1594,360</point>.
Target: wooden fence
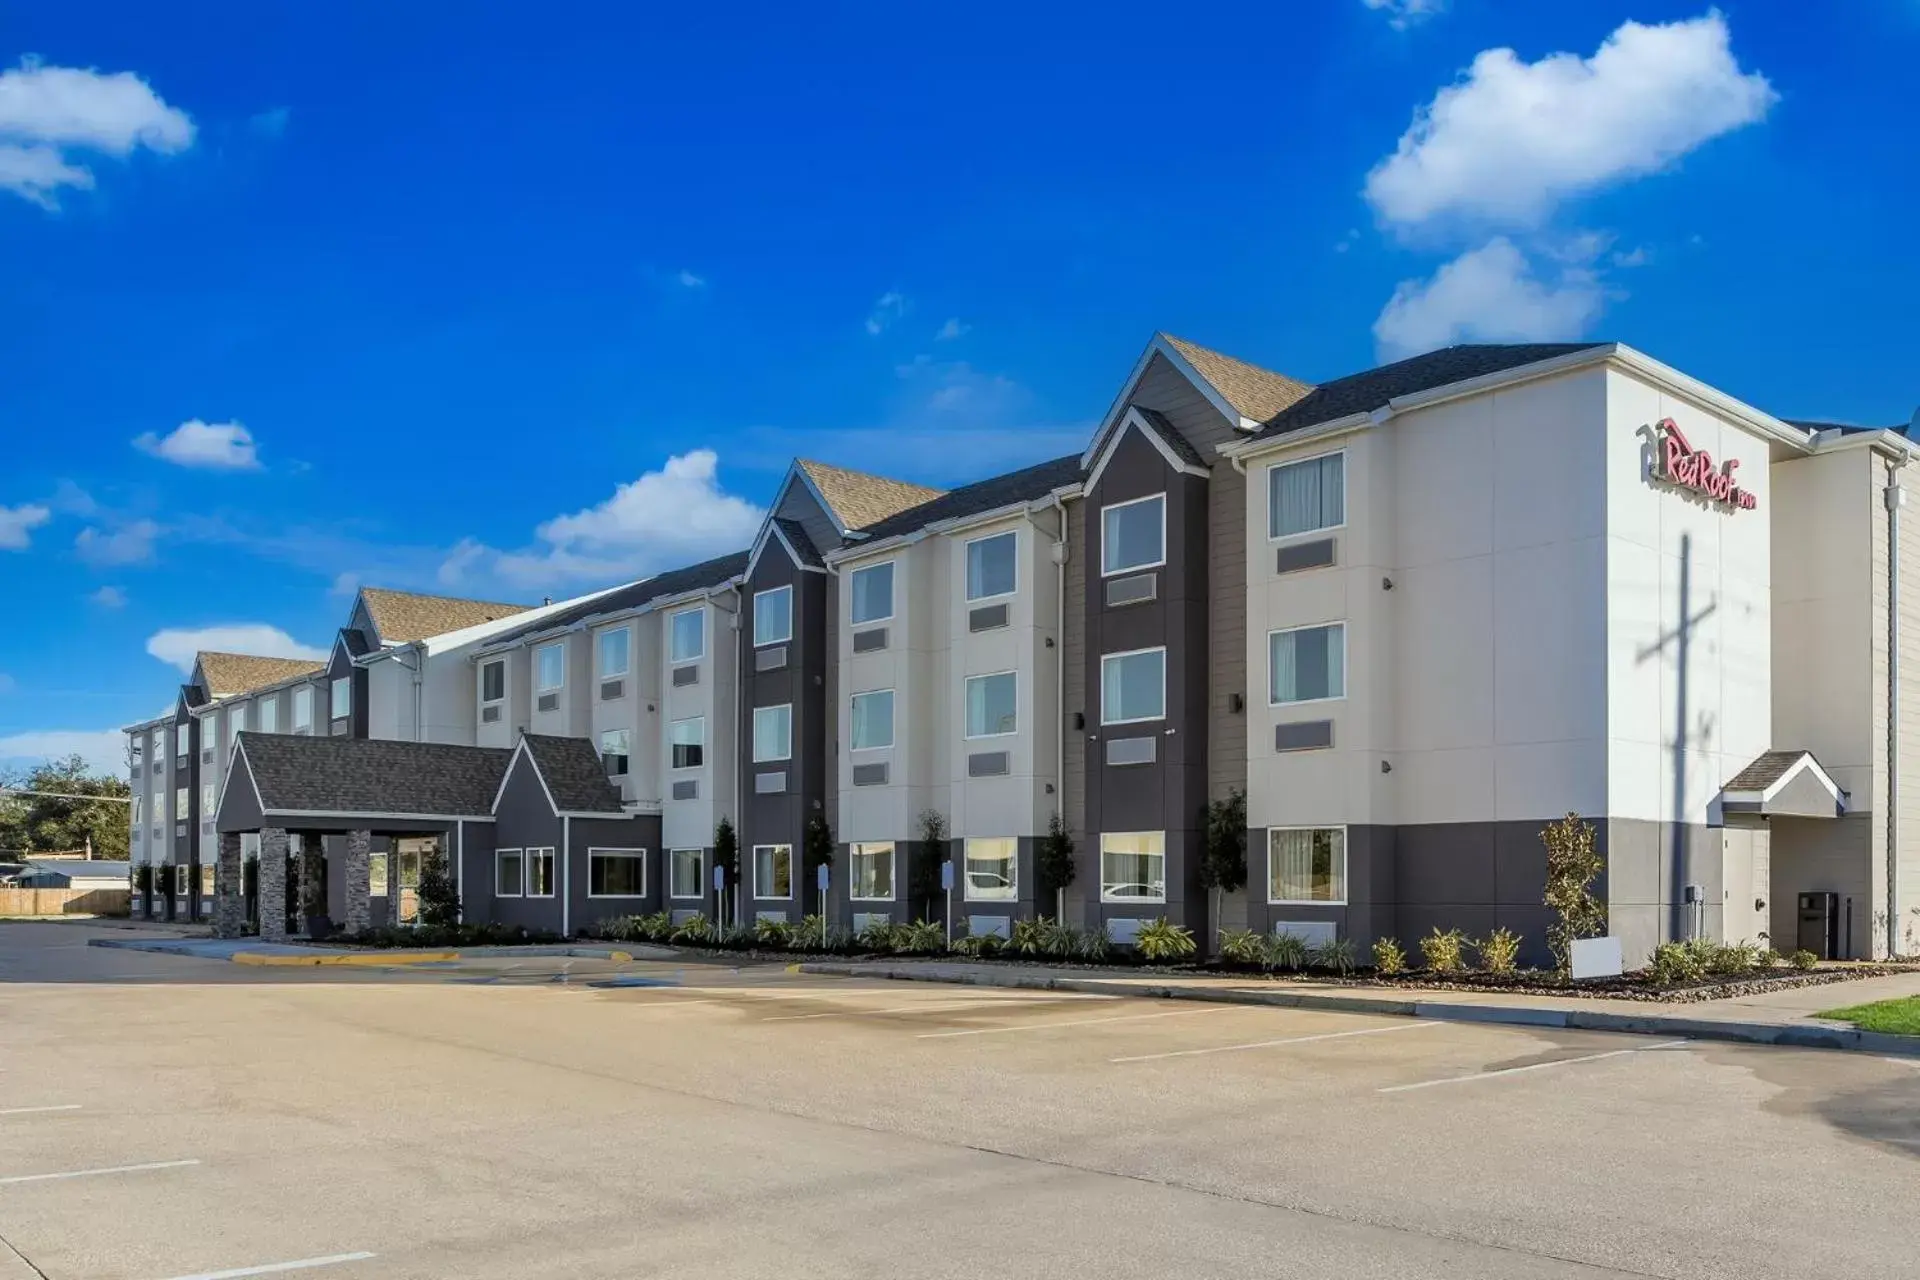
<point>64,902</point>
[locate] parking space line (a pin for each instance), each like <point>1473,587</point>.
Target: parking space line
<point>91,1173</point>
<point>905,1008</point>
<point>271,1268</point>
<point>1533,1066</point>
<point>1071,1022</point>
<point>34,1111</point>
<point>1271,1044</point>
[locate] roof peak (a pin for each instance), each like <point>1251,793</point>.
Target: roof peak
<point>860,498</point>
<point>1254,391</point>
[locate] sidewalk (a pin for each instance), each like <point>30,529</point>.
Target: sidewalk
<point>1774,1017</point>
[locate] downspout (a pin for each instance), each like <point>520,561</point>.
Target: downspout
<point>566,876</point>
<point>1060,553</point>
<point>460,871</point>
<point>739,694</point>
<point>1895,497</point>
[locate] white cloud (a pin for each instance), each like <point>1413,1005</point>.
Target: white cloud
<point>45,112</point>
<point>215,446</point>
<point>688,280</point>
<point>1511,140</point>
<point>344,585</point>
<point>177,646</point>
<point>1402,14</point>
<point>104,750</point>
<point>71,500</point>
<point>17,523</point>
<point>675,516</point>
<point>889,307</point>
<point>109,598</point>
<point>952,329</point>
<point>1490,294</point>
<point>131,543</point>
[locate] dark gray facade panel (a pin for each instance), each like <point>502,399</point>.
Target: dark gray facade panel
<point>1135,750</point>
<point>688,789</point>
<point>524,820</point>
<point>870,775</point>
<point>1303,735</point>
<point>640,831</point>
<point>988,764</point>
<point>872,640</point>
<point>687,675</point>
<point>987,617</point>
<point>1292,558</point>
<point>1135,588</point>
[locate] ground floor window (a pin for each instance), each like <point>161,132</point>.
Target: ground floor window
<point>508,878</point>
<point>689,873</point>
<point>773,871</point>
<point>409,856</point>
<point>180,881</point>
<point>1307,864</point>
<point>616,873</point>
<point>539,873</point>
<point>377,873</point>
<point>870,872</point>
<point>992,869</point>
<point>1133,866</point>
<point>206,879</point>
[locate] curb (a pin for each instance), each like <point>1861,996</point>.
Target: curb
<point>1792,1035</point>
<point>373,959</point>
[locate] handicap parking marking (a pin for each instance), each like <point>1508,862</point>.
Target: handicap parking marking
<point>275,1268</point>
<point>1533,1066</point>
<point>1274,1044</point>
<point>18,1178</point>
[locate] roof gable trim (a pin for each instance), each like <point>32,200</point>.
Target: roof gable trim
<point>1117,410</point>
<point>1137,421</point>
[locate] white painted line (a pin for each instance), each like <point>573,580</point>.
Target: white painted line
<point>1534,1066</point>
<point>1270,1044</point>
<point>905,1008</point>
<point>34,1111</point>
<point>89,1173</point>
<point>299,1264</point>
<point>1071,1022</point>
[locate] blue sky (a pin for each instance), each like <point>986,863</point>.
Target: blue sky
<point>511,302</point>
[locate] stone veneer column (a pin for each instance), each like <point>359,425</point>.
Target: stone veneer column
<point>359,881</point>
<point>229,890</point>
<point>273,883</point>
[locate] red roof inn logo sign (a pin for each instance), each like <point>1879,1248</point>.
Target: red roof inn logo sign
<point>1678,463</point>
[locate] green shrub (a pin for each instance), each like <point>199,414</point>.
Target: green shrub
<point>1443,951</point>
<point>1163,940</point>
<point>694,929</point>
<point>1031,937</point>
<point>1732,958</point>
<point>1283,951</point>
<point>1499,951</point>
<point>458,935</point>
<point>1336,955</point>
<point>736,937</point>
<point>1676,962</point>
<point>1765,957</point>
<point>772,933</point>
<point>922,937</point>
<point>810,934</point>
<point>1242,946</point>
<point>978,945</point>
<point>1803,959</point>
<point>1389,957</point>
<point>1091,944</point>
<point>877,936</point>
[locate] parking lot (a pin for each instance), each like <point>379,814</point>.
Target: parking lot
<point>167,1117</point>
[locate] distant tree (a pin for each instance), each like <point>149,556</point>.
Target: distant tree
<point>49,824</point>
<point>1223,849</point>
<point>439,900</point>
<point>1054,867</point>
<point>923,882</point>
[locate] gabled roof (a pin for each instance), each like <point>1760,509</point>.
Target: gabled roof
<point>401,617</point>
<point>796,537</point>
<point>1027,485</point>
<point>571,772</point>
<point>674,582</point>
<point>857,499</point>
<point>1257,393</point>
<point>230,674</point>
<point>1788,783</point>
<point>295,773</point>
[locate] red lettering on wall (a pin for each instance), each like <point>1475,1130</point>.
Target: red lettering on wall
<point>1689,468</point>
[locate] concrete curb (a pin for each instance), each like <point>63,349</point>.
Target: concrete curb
<point>1791,1034</point>
<point>363,959</point>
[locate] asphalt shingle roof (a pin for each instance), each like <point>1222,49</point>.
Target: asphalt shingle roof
<point>1171,434</point>
<point>859,499</point>
<point>230,674</point>
<point>295,772</point>
<point>1257,393</point>
<point>985,495</point>
<point>573,774</point>
<point>796,536</point>
<point>1768,768</point>
<point>401,617</point>
<point>674,582</point>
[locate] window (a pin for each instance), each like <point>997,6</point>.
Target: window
<point>134,813</point>
<point>1303,497</point>
<point>689,873</point>
<point>1133,535</point>
<point>687,635</point>
<point>616,746</point>
<point>870,722</point>
<point>990,566</point>
<point>507,874</point>
<point>1307,864</point>
<point>303,708</point>
<point>493,680</point>
<point>870,593</point>
<point>180,804</point>
<point>180,881</point>
<point>207,799</point>
<point>137,749</point>
<point>377,873</point>
<point>341,698</point>
<point>991,869</point>
<point>870,872</point>
<point>773,871</point>
<point>181,743</point>
<point>1307,664</point>
<point>773,616</point>
<point>269,716</point>
<point>206,880</point>
<point>1133,686</point>
<point>550,667</point>
<point>616,651</point>
<point>616,873</point>
<point>540,873</point>
<point>773,732</point>
<point>688,741</point>
<point>991,705</point>
<point>1133,866</point>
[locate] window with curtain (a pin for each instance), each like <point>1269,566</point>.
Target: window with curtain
<point>616,749</point>
<point>773,616</point>
<point>1307,864</point>
<point>687,635</point>
<point>992,705</point>
<point>870,720</point>
<point>1133,866</point>
<point>1133,686</point>
<point>341,698</point>
<point>870,592</point>
<point>1133,535</point>
<point>616,651</point>
<point>773,732</point>
<point>303,707</point>
<point>1305,496</point>
<point>991,569</point>
<point>773,871</point>
<point>688,742</point>
<point>549,667</point>
<point>992,869</point>
<point>540,873</point>
<point>689,873</point>
<point>507,874</point>
<point>870,872</point>
<point>269,718</point>
<point>1307,664</point>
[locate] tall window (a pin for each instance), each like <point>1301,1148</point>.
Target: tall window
<point>687,740</point>
<point>133,812</point>
<point>687,635</point>
<point>493,680</point>
<point>773,732</point>
<point>540,873</point>
<point>1307,864</point>
<point>1133,535</point>
<point>616,747</point>
<point>773,616</point>
<point>182,743</point>
<point>1133,686</point>
<point>1305,496</point>
<point>688,874</point>
<point>508,874</point>
<point>773,871</point>
<point>269,717</point>
<point>180,804</point>
<point>993,705</point>
<point>870,872</point>
<point>303,708</point>
<point>340,698</point>
<point>549,667</point>
<point>616,651</point>
<point>1307,664</point>
<point>1133,866</point>
<point>206,800</point>
<point>616,873</point>
<point>991,866</point>
<point>870,719</point>
<point>991,566</point>
<point>870,593</point>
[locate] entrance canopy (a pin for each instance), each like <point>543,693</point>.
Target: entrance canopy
<point>1784,784</point>
<point>342,784</point>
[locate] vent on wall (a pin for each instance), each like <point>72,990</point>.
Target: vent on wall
<point>549,702</point>
<point>1124,930</point>
<point>870,775</point>
<point>998,926</point>
<point>769,784</point>
<point>1132,750</point>
<point>868,641</point>
<point>988,764</point>
<point>770,659</point>
<point>987,618</point>
<point>865,920</point>
<point>771,917</point>
<point>1134,589</point>
<point>1304,735</point>
<point>1304,555</point>
<point>688,790</point>
<point>611,689</point>
<point>1315,933</point>
<point>489,715</point>
<point>687,675</point>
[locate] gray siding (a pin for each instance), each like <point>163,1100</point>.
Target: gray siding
<point>1167,391</point>
<point>640,831</point>
<point>523,819</point>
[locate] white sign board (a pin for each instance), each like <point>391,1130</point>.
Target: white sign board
<point>1596,958</point>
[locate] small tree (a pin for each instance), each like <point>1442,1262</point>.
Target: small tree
<point>726,856</point>
<point>439,900</point>
<point>1573,864</point>
<point>924,885</point>
<point>1223,851</point>
<point>1053,864</point>
<point>816,850</point>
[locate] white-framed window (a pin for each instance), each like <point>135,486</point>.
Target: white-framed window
<point>1133,535</point>
<point>993,566</point>
<point>182,741</point>
<point>870,872</point>
<point>303,708</point>
<point>616,873</point>
<point>180,882</point>
<point>992,868</point>
<point>1307,496</point>
<point>180,804</point>
<point>870,720</point>
<point>1133,686</point>
<point>540,873</point>
<point>616,750</point>
<point>137,751</point>
<point>1133,866</point>
<point>687,875</point>
<point>993,705</point>
<point>377,866</point>
<point>269,714</point>
<point>616,651</point>
<point>493,680</point>
<point>687,635</point>
<point>1307,664</point>
<point>772,616</point>
<point>773,871</point>
<point>133,812</point>
<point>207,799</point>
<point>870,594</point>
<point>549,667</point>
<point>1307,865</point>
<point>687,743</point>
<point>773,733</point>
<point>509,874</point>
<point>340,698</point>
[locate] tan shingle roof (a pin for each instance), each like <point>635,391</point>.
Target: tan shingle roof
<point>402,617</point>
<point>228,674</point>
<point>860,499</point>
<point>1257,393</point>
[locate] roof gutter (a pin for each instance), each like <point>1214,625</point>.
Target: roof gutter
<point>956,524</point>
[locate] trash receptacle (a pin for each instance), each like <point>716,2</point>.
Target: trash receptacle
<point>1820,924</point>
